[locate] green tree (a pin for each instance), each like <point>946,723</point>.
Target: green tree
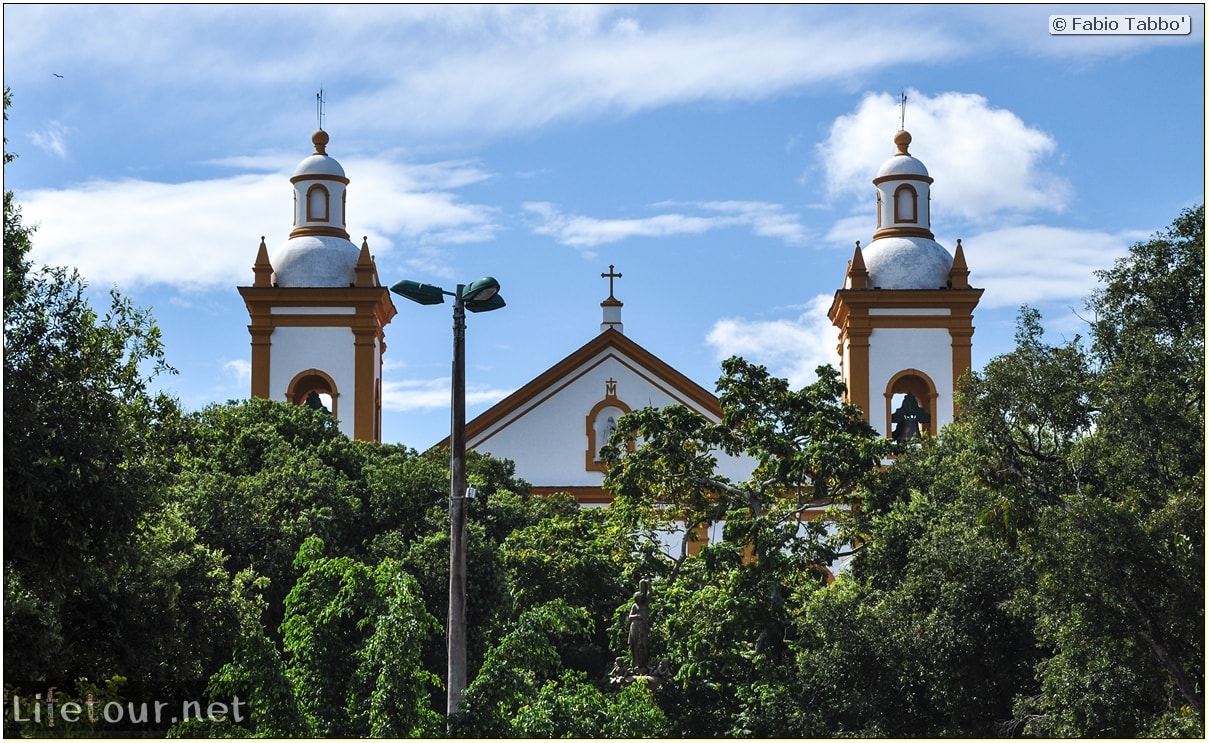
<point>103,577</point>
<point>1148,326</point>
<point>1120,597</point>
<point>725,618</point>
<point>586,559</point>
<point>917,639</point>
<point>353,638</point>
<point>1095,459</point>
<point>254,675</point>
<point>525,690</point>
<point>259,477</point>
<point>17,235</point>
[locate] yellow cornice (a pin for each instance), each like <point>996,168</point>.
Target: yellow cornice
<point>903,177</point>
<point>316,231</point>
<point>367,301</point>
<point>319,177</point>
<point>900,231</point>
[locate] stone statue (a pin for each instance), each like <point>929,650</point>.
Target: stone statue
<point>640,625</point>
<point>640,650</point>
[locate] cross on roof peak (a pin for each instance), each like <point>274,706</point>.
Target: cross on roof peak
<point>610,276</point>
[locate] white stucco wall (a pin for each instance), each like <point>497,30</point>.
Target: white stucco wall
<point>892,350</point>
<point>547,438</point>
<point>329,349</point>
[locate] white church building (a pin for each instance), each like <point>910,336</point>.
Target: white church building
<point>318,313</point>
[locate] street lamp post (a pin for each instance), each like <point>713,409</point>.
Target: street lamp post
<point>480,296</point>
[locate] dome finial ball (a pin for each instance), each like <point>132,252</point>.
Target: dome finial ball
<point>320,140</point>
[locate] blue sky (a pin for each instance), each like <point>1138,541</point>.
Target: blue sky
<point>719,156</point>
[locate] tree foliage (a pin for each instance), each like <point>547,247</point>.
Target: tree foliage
<point>1095,458</point>
<point>103,576</point>
<point>524,690</point>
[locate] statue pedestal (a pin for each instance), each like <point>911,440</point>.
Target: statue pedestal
<point>653,679</point>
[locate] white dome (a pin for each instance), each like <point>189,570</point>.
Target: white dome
<point>319,165</point>
<point>315,260</point>
<point>901,165</point>
<point>907,263</point>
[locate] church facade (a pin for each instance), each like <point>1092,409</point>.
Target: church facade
<point>553,427</point>
<point>903,312</point>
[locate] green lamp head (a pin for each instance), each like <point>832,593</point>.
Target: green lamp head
<point>420,293</point>
<point>482,295</point>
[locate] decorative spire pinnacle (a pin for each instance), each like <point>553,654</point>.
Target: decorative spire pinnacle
<point>903,200</point>
<point>262,269</point>
<point>959,274</point>
<point>366,270</point>
<point>858,275</point>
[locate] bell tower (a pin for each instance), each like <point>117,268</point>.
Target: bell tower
<point>317,308</point>
<point>905,311</point>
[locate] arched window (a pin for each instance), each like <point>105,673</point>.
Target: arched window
<point>906,204</point>
<point>601,423</point>
<point>920,386</point>
<point>318,204</point>
<point>317,382</point>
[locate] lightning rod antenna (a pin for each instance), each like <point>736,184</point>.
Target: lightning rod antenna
<point>319,107</point>
<point>902,113</point>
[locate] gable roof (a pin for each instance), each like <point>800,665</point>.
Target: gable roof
<point>571,367</point>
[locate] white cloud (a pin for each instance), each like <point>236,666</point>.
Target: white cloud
<point>1022,28</point>
<point>457,69</point>
<point>763,219</point>
<point>433,394</point>
<point>1016,265</point>
<point>986,162</point>
<point>792,349</point>
<point>205,233</point>
<point>850,229</point>
<point>133,232</point>
<point>493,83</point>
<point>1034,264</point>
<point>240,369</point>
<point>52,140</point>
<point>453,69</point>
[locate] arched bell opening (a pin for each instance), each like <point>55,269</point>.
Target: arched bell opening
<point>314,388</point>
<point>910,405</point>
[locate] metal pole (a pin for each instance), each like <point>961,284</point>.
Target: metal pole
<point>457,514</point>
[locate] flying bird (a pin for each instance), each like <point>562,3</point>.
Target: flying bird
<point>56,74</point>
